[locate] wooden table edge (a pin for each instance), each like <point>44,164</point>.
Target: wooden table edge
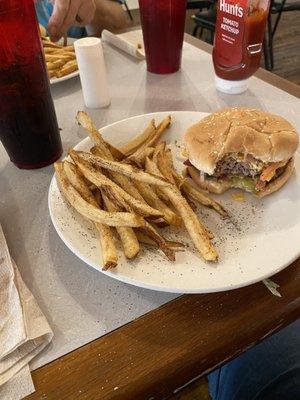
<point>89,372</point>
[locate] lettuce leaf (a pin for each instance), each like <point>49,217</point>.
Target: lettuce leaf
<point>244,182</point>
<point>272,286</point>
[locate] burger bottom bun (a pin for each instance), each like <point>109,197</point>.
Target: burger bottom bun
<point>220,186</point>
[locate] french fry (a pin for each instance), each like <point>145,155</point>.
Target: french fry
<point>50,50</point>
<point>71,63</point>
<point>54,65</point>
<point>100,152</point>
<point>151,198</point>
<point>152,140</point>
<point>164,167</point>
<point>89,211</point>
<point>144,239</point>
<point>165,163</point>
<point>128,238</point>
<point>160,241</point>
<point>50,66</point>
<point>162,126</point>
<point>85,121</point>
<point>67,69</point>
<point>121,180</point>
<point>124,169</point>
<point>139,159</point>
<point>184,173</point>
<point>109,252</point>
<point>46,43</point>
<point>136,142</point>
<point>150,129</point>
<point>148,229</point>
<point>160,223</point>
<point>77,181</point>
<point>54,57</point>
<point>161,195</point>
<point>116,154</point>
<point>98,179</point>
<point>174,244</point>
<point>195,228</point>
<point>97,195</point>
<point>69,48</point>
<point>58,63</point>
<point>126,185</point>
<point>199,196</point>
<point>190,203</point>
<point>204,199</point>
<point>64,52</point>
<point>51,73</point>
<point>158,148</point>
<point>116,198</point>
<point>108,150</point>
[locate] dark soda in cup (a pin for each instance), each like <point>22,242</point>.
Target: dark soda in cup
<point>28,125</point>
<point>163,29</point>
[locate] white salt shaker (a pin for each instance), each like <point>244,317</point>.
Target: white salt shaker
<point>92,72</point>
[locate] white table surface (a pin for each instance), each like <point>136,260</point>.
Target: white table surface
<point>82,304</point>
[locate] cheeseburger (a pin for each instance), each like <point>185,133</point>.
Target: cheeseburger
<point>241,148</point>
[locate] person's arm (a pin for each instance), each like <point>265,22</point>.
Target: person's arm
<point>109,15</point>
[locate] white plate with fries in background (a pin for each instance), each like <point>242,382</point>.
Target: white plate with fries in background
<point>60,59</point>
<point>243,241</point>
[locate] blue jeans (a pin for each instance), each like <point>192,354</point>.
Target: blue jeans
<point>268,371</point>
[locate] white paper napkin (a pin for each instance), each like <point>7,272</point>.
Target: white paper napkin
<point>24,330</point>
<point>131,42</point>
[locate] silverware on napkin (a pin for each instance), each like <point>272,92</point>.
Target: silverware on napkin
<point>131,42</point>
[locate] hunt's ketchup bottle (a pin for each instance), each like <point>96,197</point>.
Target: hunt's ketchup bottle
<point>240,28</point>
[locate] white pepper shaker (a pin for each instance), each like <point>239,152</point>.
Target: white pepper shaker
<point>92,72</point>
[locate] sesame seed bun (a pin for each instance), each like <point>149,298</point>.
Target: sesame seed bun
<point>265,136</point>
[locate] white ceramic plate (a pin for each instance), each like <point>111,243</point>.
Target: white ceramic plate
<point>53,81</point>
<point>268,239</point>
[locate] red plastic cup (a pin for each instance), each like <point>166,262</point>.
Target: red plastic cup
<point>163,28</point>
<point>28,124</point>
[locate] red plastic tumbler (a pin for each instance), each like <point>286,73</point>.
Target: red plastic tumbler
<point>28,125</point>
<point>163,28</point>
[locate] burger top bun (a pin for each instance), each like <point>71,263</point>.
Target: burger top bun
<point>265,136</point>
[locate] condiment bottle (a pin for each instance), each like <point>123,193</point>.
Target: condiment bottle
<point>240,29</point>
<point>91,65</point>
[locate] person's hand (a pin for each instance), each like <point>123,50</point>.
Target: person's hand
<point>67,13</point>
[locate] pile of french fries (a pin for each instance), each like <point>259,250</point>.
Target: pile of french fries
<point>60,60</point>
<point>133,191</point>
